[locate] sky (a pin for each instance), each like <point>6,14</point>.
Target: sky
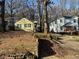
<point>35,1</point>
<point>31,1</point>
<point>56,2</point>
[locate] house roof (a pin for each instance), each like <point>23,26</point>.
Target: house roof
<point>68,24</point>
<point>24,20</point>
<point>66,17</point>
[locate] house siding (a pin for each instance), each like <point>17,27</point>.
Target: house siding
<point>23,22</point>
<point>57,27</point>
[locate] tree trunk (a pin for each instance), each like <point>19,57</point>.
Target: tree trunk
<point>12,27</point>
<point>45,17</point>
<point>40,15</point>
<point>2,15</point>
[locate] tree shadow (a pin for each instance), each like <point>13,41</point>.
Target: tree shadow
<point>44,48</point>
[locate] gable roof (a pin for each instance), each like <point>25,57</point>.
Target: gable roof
<point>24,20</point>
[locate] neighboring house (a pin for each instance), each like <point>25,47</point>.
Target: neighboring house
<point>64,24</point>
<point>24,24</point>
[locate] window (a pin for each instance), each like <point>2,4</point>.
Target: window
<point>18,25</point>
<point>29,25</point>
<point>25,25</point>
<point>60,20</point>
<point>61,28</point>
<point>74,20</point>
<point>55,22</point>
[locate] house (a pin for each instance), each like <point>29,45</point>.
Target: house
<point>24,24</point>
<point>65,24</point>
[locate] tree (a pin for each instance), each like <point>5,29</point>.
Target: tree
<point>40,15</point>
<point>45,16</point>
<point>63,6</point>
<point>73,4</point>
<point>28,9</point>
<point>12,7</point>
<point>3,14</point>
<point>45,13</point>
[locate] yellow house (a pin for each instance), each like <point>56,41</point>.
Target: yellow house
<point>24,24</point>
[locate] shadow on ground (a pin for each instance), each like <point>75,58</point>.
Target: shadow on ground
<point>44,48</point>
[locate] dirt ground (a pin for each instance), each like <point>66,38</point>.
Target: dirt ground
<point>18,41</point>
<point>71,46</point>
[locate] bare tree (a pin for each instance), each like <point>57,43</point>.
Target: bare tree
<point>73,4</point>
<point>45,13</point>
<point>12,7</point>
<point>40,8</point>
<point>63,6</point>
<point>2,4</point>
<point>73,7</point>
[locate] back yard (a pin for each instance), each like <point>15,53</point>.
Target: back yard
<point>17,43</point>
<point>20,42</point>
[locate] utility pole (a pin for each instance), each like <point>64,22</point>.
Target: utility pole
<point>2,13</point>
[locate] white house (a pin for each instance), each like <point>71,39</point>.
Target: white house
<point>65,24</point>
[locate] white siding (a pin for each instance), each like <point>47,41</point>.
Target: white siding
<point>56,27</point>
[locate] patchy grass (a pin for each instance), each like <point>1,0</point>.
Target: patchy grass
<point>76,38</point>
<point>55,37</point>
<point>70,38</point>
<point>17,41</point>
<point>41,35</point>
